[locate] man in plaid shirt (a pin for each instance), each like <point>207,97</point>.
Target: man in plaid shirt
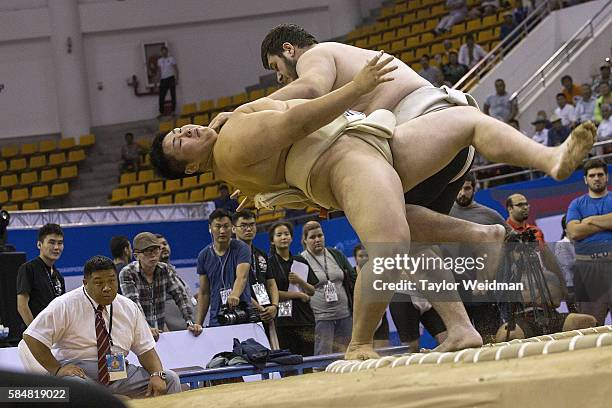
<point>147,282</point>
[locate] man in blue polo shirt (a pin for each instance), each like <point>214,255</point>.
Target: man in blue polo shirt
<point>589,224</point>
<point>223,267</point>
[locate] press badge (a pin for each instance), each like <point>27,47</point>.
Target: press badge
<point>285,308</point>
<point>330,292</point>
<point>261,295</point>
<point>115,365</point>
<point>224,295</point>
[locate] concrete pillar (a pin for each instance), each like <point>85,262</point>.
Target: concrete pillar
<point>70,73</point>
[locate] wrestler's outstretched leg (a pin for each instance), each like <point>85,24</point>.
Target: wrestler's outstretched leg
<point>423,146</point>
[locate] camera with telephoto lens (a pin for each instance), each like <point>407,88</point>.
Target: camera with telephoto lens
<point>239,315</point>
<point>529,235</point>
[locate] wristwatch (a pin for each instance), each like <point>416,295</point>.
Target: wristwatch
<point>160,374</point>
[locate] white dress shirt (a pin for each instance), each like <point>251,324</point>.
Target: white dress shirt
<point>478,53</point>
<point>166,67</point>
<point>68,327</point>
<point>541,137</point>
<point>567,114</point>
<point>585,109</point>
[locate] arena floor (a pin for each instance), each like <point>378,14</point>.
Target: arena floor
<point>581,377</point>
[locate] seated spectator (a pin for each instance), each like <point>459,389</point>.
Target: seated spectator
<point>457,12</point>
<point>432,74</point>
<point>542,115</point>
<point>519,12</point>
<point>332,302</point>
<point>572,92</point>
<point>486,8</point>
<point>605,96</point>
<point>453,71</point>
<point>147,282</point>
<point>604,76</point>
<point>541,133</point>
<point>75,326</point>
<point>225,202</point>
<point>558,132</point>
<point>442,59</point>
<point>121,250</point>
<point>508,25</point>
<point>565,111</point>
<point>499,105</point>
<point>130,154</point>
<point>471,53</point>
<point>604,130</point>
<point>585,107</point>
<point>295,324</point>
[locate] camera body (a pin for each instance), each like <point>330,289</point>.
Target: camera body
<point>241,314</point>
<point>529,235</point>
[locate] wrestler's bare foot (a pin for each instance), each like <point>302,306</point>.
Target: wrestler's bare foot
<point>571,153</point>
<point>356,351</point>
<point>460,338</point>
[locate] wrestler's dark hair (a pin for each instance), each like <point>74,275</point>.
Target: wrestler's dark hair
<point>97,263</point>
<point>218,214</point>
<point>49,229</point>
<point>358,247</point>
<point>595,164</point>
<point>165,166</point>
<point>117,245</point>
<point>471,178</point>
<point>246,214</point>
<point>277,224</point>
<point>272,44</point>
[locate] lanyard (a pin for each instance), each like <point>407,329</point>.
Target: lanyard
<point>319,263</point>
<point>253,268</point>
<point>222,263</point>
<point>55,288</point>
<point>286,273</point>
<point>110,325</point>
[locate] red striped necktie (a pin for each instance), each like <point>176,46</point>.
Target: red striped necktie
<point>103,342</point>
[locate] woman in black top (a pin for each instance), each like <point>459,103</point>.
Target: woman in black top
<point>295,320</point>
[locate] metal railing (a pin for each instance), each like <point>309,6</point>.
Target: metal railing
<point>473,76</point>
<point>564,54</point>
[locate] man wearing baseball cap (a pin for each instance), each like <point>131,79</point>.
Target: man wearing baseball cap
<point>147,281</point>
<point>541,133</point>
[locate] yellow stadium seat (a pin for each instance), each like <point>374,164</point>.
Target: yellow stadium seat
<point>239,99</point>
<point>30,206</point>
<point>201,120</point>
<point>180,122</point>
<point>196,196</point>
<point>271,89</point>
<point>397,46</point>
<point>155,188</point>
<point>17,164</point>
<point>118,195</point>
<point>393,23</point>
<point>211,193</point>
<point>437,48</point>
<point>270,216</point>
<point>420,52</point>
<point>68,172</point>
<point>401,8</point>
<point>9,180</point>
<point>147,201</point>
<point>57,159</point>
<point>47,146</point>
<point>473,25</point>
<point>374,40</point>
<point>427,38</point>
<point>256,94</point>
<point>11,207</point>
<point>172,186</point>
<point>403,32</point>
<point>4,196</point>
<point>87,140</point>
<point>136,192</point>
<point>76,156</point>
<point>412,42</point>
<point>166,126</point>
<point>28,149</point>
<point>48,175</point>
<point>28,178</point>
<point>144,143</point>
<point>189,182</point>
<point>181,198</point>
<point>490,21</point>
<point>407,56</point>
<point>386,12</point>
<point>223,102</point>
<point>3,166</point>
<point>19,195</point>
<point>361,43</point>
<point>422,14</point>
<point>130,203</point>
<point>127,178</point>
<point>381,26</point>
<point>416,67</point>
<point>437,11</point>
<point>206,178</point>
<point>146,161</point>
<point>59,189</point>
<point>188,109</point>
<point>486,36</point>
<point>205,106</point>
<point>165,199</point>
<point>430,24</point>
<point>145,175</point>
<point>66,143</point>
<point>39,192</point>
<point>9,151</point>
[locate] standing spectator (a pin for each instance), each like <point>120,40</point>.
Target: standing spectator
<point>507,26</point>
<point>225,202</point>
<point>585,107</point>
<point>295,322</point>
<point>558,132</point>
<point>589,225</point>
<point>499,105</point>
<point>604,130</point>
<point>605,96</point>
<point>147,282</point>
<point>565,111</point>
<point>121,250</point>
<point>541,133</point>
<point>333,298</point>
<point>223,266</point>
<point>264,291</point>
<point>519,12</point>
<point>39,281</point>
<point>566,258</point>
<point>432,74</point>
<point>572,92</point>
<point>361,257</point>
<point>130,154</point>
<point>604,76</point>
<point>453,71</point>
<point>85,333</point>
<point>457,12</point>
<point>168,78</point>
<point>471,53</point>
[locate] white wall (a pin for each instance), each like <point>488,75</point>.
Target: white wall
<point>216,44</point>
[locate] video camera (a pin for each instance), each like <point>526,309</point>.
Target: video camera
<point>241,314</point>
<point>529,235</point>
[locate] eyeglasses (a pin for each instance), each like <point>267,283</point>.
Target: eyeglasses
<point>151,250</point>
<point>250,225</point>
<point>222,226</point>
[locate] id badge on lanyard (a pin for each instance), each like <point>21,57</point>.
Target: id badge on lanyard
<point>285,309</point>
<point>116,366</point>
<point>261,294</point>
<point>330,292</point>
<point>225,293</point>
